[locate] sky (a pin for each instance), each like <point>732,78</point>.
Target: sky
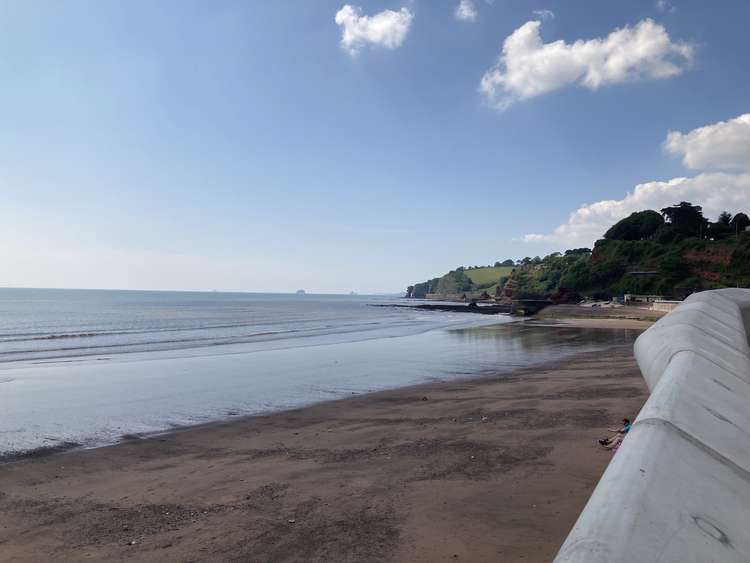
<point>364,146</point>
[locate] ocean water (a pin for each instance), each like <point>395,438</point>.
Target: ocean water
<point>88,367</point>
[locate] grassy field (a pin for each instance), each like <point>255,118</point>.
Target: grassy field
<point>487,275</point>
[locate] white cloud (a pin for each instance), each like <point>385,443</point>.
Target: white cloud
<point>720,146</point>
<point>544,14</point>
<point>386,29</point>
<point>465,11</point>
<point>723,145</point>
<point>665,6</point>
<point>716,192</point>
<point>528,67</point>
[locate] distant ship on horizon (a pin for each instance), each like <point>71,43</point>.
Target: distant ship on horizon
<point>300,292</point>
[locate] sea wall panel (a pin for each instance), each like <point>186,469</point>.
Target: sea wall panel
<point>678,489</point>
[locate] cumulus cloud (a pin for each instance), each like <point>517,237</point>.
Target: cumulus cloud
<point>721,146</point>
<point>716,192</point>
<point>528,67</point>
<point>544,14</point>
<point>465,11</point>
<point>386,29</point>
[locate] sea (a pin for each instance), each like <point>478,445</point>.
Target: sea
<point>85,368</point>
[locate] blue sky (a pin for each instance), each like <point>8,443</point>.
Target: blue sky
<point>242,146</point>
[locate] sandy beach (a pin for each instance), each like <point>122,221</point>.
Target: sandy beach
<point>495,468</point>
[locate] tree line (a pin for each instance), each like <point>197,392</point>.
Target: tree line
<point>657,239</point>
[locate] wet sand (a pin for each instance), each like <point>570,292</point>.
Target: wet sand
<point>490,469</point>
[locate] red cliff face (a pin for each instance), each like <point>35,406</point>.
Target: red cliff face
<point>719,254</point>
<point>710,263</point>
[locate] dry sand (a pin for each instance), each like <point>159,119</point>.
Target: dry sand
<point>492,469</point>
<point>595,323</point>
<point>569,312</point>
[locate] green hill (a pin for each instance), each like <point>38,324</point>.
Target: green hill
<point>672,253</point>
<point>471,281</point>
<point>488,275</point>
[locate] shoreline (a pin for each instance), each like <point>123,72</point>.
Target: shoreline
<point>413,473</point>
<point>562,322</point>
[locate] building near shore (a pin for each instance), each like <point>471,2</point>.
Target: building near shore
<point>632,298</point>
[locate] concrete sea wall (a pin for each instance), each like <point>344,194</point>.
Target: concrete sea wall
<point>678,490</point>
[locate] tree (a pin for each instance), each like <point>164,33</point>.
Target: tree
<point>578,275</point>
<point>721,229</point>
<point>739,223</point>
<point>686,219</point>
<point>577,251</point>
<point>665,234</point>
<point>638,226</point>
<point>673,270</point>
<point>453,282</point>
<point>725,218</point>
<point>508,262</point>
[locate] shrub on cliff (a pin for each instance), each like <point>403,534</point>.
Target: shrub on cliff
<point>454,282</point>
<point>638,226</point>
